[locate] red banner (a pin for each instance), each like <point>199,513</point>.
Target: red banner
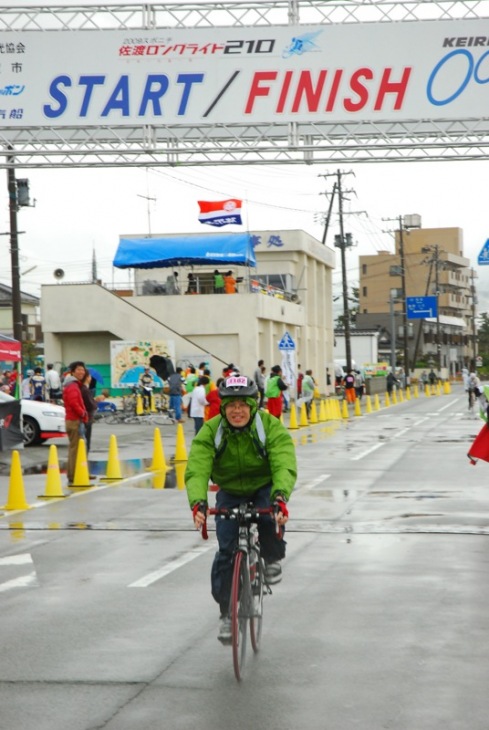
<point>10,349</point>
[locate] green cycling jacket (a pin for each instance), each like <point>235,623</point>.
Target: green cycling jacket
<point>242,462</point>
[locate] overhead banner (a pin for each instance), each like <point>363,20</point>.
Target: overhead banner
<point>339,72</point>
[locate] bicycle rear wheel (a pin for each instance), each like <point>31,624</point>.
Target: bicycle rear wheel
<point>239,613</point>
<point>256,618</point>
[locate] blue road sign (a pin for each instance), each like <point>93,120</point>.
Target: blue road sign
<point>286,343</point>
<point>483,259</point>
<point>421,307</point>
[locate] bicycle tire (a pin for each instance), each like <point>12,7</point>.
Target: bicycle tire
<point>239,613</point>
<point>256,618</point>
<point>111,419</point>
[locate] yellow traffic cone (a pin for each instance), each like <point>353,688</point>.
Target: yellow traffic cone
<point>139,405</point>
<point>180,448</point>
<point>447,388</point>
<point>113,472</point>
<point>293,418</point>
<point>180,475</point>
<point>53,477</point>
<point>81,479</point>
<point>16,495</point>
<point>322,411</point>
<point>408,393</point>
<point>159,462</point>
<point>158,479</point>
<point>394,397</point>
<point>358,410</point>
<point>337,411</point>
<point>303,417</point>
<point>401,396</point>
<point>438,389</point>
<point>387,400</point>
<point>313,415</point>
<point>344,413</point>
<point>152,406</point>
<point>376,402</point>
<point>416,391</point>
<point>368,404</point>
<point>427,390</point>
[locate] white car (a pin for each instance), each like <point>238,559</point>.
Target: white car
<point>40,421</point>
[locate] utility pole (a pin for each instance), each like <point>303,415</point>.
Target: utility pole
<point>437,291</point>
<point>14,249</point>
<point>346,309</point>
<point>474,330</point>
<point>404,304</point>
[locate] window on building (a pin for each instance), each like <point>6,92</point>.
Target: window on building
<point>364,268</point>
<point>364,291</point>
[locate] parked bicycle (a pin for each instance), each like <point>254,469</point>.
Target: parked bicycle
<point>249,584</point>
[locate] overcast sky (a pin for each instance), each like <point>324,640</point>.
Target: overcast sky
<point>78,211</point>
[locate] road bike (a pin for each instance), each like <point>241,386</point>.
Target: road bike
<point>472,400</point>
<point>249,584</point>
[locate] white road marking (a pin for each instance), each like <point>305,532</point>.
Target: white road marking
<point>401,433</point>
<point>20,559</point>
<point>23,582</point>
<point>313,483</point>
<point>367,452</point>
<point>147,580</point>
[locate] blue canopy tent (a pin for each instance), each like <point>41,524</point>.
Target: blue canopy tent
<point>235,249</point>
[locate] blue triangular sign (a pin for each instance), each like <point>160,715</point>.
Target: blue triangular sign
<point>483,259</point>
<point>286,343</point>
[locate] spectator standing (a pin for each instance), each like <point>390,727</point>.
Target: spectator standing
<point>300,378</point>
<point>432,377</point>
<point>53,383</point>
<point>275,388</point>
<point>25,386</point>
<point>192,284</point>
<point>172,283</point>
<point>214,400</point>
<point>176,389</point>
<point>391,381</point>
<point>308,385</point>
<point>76,413</point>
<point>349,383</point>
<point>359,383</point>
<point>218,282</point>
<point>90,406</point>
<point>199,403</point>
<point>259,378</point>
<point>230,283</point>
<point>146,383</point>
<point>38,385</point>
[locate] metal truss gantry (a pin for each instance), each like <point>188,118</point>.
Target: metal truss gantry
<point>228,144</point>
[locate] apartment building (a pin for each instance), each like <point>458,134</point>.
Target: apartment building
<point>434,261</point>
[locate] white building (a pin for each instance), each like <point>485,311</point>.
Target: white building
<point>289,291</point>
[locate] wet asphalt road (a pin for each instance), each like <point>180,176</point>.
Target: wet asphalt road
<point>380,622</point>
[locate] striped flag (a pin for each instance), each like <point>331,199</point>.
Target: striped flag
<point>221,212</point>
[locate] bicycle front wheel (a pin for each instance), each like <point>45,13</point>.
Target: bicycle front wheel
<point>239,613</point>
<point>256,618</point>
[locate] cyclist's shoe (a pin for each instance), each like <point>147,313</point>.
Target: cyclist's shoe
<point>273,573</point>
<point>224,635</point>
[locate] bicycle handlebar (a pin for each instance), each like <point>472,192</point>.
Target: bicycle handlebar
<point>250,515</point>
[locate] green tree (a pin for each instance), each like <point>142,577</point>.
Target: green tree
<point>354,303</point>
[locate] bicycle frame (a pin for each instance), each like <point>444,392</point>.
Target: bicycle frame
<point>249,583</point>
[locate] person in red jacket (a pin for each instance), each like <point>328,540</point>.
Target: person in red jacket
<point>76,413</point>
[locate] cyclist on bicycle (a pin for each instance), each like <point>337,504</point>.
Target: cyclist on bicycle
<point>473,389</point>
<point>251,456</point>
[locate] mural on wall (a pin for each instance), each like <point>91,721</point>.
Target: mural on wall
<point>128,359</point>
